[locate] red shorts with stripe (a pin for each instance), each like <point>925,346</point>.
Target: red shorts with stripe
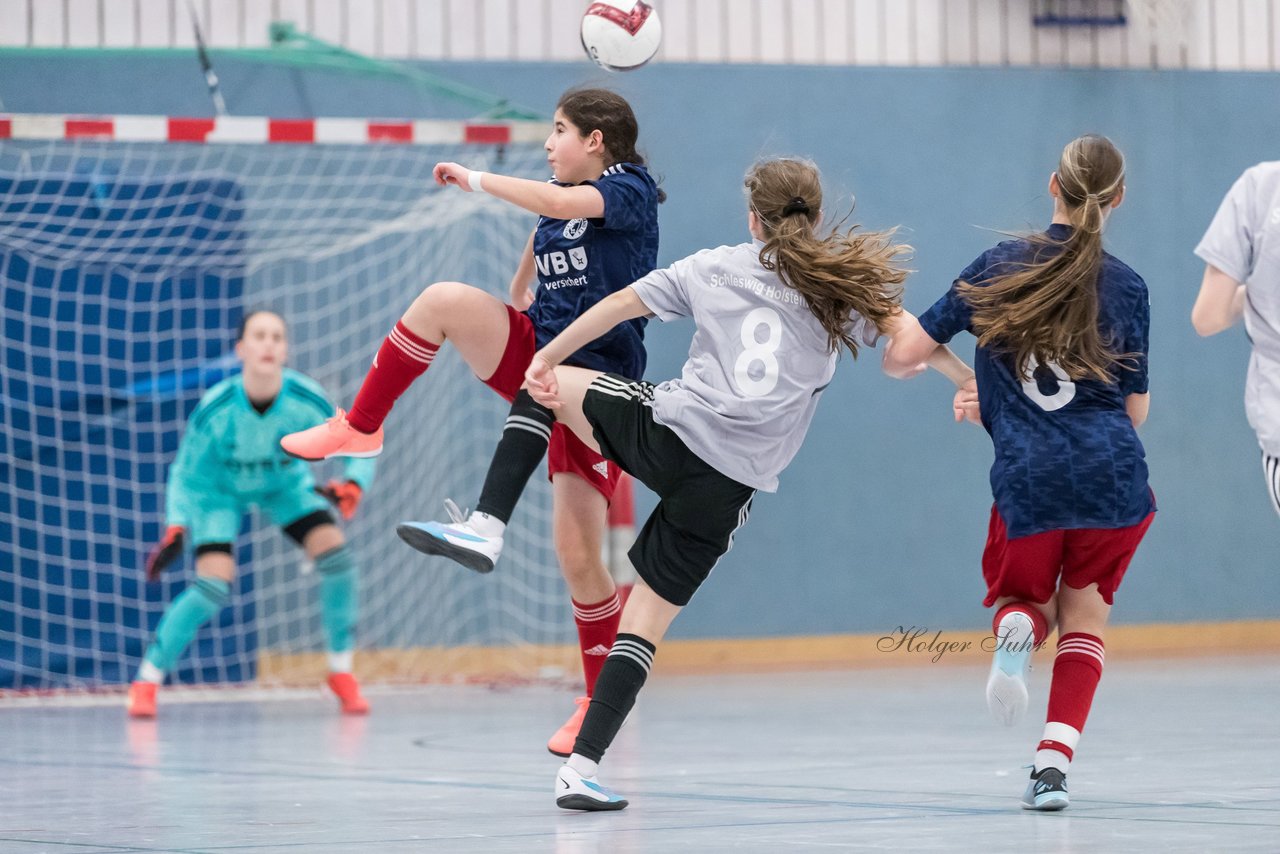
<point>566,452</point>
<point>1028,568</point>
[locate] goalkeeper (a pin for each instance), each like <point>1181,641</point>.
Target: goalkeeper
<point>229,460</point>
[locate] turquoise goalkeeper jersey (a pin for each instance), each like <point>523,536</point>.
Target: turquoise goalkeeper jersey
<point>230,451</point>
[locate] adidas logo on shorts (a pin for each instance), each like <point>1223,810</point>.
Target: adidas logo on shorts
<point>601,468</point>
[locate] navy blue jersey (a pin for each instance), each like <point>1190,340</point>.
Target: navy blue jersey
<point>1066,453</point>
<point>582,261</point>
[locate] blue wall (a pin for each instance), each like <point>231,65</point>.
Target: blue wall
<point>880,520</point>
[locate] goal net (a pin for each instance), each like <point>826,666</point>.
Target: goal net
<point>126,265</point>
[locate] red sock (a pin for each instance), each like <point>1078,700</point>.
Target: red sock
<point>597,630</point>
<point>1076,672</point>
<point>1039,627</point>
<point>401,359</point>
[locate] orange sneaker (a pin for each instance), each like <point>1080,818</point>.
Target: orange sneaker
<point>561,744</point>
<point>333,438</point>
<point>142,699</point>
<point>344,685</point>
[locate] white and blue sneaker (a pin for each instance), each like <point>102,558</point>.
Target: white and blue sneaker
<point>1047,791</point>
<point>457,540</point>
<point>575,792</point>
<point>1007,684</point>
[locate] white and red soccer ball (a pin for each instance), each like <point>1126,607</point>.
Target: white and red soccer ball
<point>621,35</point>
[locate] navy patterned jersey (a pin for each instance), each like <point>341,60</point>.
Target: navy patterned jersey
<point>582,261</point>
<point>1066,453</point>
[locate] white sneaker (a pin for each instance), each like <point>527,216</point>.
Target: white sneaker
<point>575,792</point>
<point>1007,684</point>
<point>456,540</point>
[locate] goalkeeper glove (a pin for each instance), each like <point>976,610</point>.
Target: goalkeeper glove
<point>165,552</point>
<point>345,496</point>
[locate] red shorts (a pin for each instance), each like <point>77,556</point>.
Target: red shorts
<point>1028,568</point>
<point>566,452</point>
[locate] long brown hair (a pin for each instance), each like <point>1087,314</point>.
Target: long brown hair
<point>609,113</point>
<point>837,274</point>
<point>1047,308</point>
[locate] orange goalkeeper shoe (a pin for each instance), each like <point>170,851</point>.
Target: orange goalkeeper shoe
<point>142,699</point>
<point>346,688</point>
<point>333,438</point>
<point>561,744</point>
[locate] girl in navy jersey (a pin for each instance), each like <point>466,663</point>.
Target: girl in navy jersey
<point>597,232</point>
<point>773,316</point>
<point>1061,387</point>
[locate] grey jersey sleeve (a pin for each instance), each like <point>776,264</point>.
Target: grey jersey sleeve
<point>1228,243</point>
<point>666,291</point>
<point>862,330</point>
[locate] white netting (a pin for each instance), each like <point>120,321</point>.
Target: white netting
<point>125,268</point>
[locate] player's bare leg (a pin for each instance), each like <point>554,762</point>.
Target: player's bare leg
<point>579,521</point>
<point>1077,668</point>
<point>573,384</point>
<point>1018,627</point>
<point>645,621</point>
<point>475,321</point>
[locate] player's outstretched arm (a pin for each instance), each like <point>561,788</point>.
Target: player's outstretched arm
<point>1138,405</point>
<point>549,200</point>
<point>521,293</point>
<point>911,350</point>
<point>950,365</point>
<point>1220,302</point>
<point>616,308</point>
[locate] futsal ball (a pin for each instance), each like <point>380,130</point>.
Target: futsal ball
<point>620,35</point>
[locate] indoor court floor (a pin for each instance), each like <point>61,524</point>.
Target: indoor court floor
<point>1179,755</point>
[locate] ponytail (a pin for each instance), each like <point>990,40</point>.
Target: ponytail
<point>838,274</point>
<point>1046,310</point>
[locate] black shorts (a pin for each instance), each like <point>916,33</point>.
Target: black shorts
<point>699,509</point>
<point>296,530</point>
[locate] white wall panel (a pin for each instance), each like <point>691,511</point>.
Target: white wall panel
<point>899,35</point>
<point>928,32</point>
<point>327,19</point>
<point>363,20</point>
<point>989,33</point>
<point>867,27</point>
<point>531,22</point>
<point>1203,34</point>
<point>960,42</point>
<point>741,25</point>
<point>564,33</point>
<point>296,11</point>
<point>1227,37</point>
<point>710,34</point>
<point>15,23</point>
<point>81,23</point>
<point>118,23</point>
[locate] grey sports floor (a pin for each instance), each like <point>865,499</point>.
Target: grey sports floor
<point>1178,756</point>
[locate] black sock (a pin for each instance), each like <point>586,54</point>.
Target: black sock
<point>522,446</point>
<point>620,681</point>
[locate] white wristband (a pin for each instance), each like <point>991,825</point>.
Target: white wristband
<point>475,180</point>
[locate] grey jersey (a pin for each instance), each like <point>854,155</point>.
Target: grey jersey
<point>758,361</point>
<point>1243,241</point>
